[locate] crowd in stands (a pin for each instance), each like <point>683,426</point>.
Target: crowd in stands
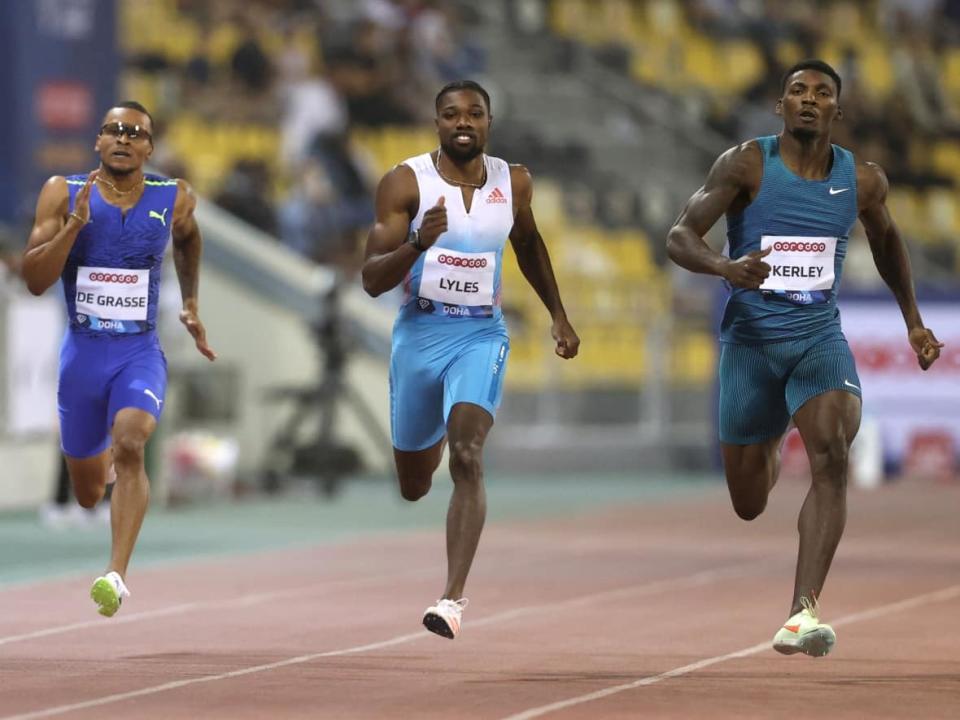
<point>298,77</point>
<point>899,61</point>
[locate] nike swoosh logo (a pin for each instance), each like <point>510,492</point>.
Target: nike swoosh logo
<point>837,192</point>
<point>850,384</point>
<point>792,628</point>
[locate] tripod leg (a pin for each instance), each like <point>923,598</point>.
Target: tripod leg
<point>283,444</point>
<point>371,422</point>
<point>329,476</point>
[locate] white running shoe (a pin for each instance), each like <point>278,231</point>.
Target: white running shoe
<point>444,618</point>
<point>108,592</point>
<point>804,633</point>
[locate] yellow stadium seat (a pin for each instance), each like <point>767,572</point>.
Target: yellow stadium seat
<point>951,73</point>
<point>909,209</point>
<point>904,205</point>
<point>702,62</point>
<point>664,18</point>
<point>844,23</point>
<point>570,18</point>
<point>693,358</point>
<point>876,69</point>
<point>142,86</point>
<point>742,64</point>
<point>181,41</point>
<point>942,212</point>
<point>945,157</point>
<point>632,254</point>
<point>222,43</point>
<point>788,52</point>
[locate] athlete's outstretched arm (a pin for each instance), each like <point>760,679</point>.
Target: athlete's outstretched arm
<point>728,187</point>
<point>187,249</point>
<point>891,258</point>
<point>389,256</point>
<point>54,232</point>
<point>534,261</point>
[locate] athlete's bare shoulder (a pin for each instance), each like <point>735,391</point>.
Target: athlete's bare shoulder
<point>734,180</point>
<point>54,196</point>
<point>872,184</point>
<point>519,172</point>
<point>399,175</point>
<point>186,201</point>
<point>521,180</point>
<point>398,190</point>
<point>184,188</point>
<point>742,164</point>
<point>55,185</point>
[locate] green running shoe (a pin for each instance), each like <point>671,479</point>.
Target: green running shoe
<point>108,592</point>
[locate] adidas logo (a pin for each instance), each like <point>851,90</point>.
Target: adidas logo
<point>496,197</point>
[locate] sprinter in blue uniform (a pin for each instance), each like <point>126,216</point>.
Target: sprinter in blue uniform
<point>790,201</point>
<point>443,219</point>
<point>104,235</point>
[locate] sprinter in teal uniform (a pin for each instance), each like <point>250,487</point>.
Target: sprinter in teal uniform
<point>790,201</point>
<point>104,235</point>
<point>443,219</point>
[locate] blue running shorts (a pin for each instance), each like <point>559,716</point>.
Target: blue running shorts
<point>99,376</point>
<point>762,386</point>
<point>432,368</point>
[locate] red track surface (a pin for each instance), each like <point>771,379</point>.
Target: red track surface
<point>559,611</point>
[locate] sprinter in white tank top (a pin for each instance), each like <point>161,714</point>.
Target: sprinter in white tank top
<point>442,221</point>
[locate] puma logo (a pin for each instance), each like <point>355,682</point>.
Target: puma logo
<point>157,400</point>
<point>161,217</point>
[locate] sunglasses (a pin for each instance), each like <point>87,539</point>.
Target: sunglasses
<point>133,132</point>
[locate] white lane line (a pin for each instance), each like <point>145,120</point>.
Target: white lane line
<point>240,601</point>
<point>685,581</point>
<point>880,611</point>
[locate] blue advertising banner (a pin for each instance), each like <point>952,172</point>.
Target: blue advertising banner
<point>60,65</point>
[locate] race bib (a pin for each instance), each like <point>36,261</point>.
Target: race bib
<point>799,265</point>
<point>458,278</point>
<point>112,293</point>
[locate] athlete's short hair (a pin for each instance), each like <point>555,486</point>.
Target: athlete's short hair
<point>811,64</point>
<point>462,85</point>
<point>134,105</point>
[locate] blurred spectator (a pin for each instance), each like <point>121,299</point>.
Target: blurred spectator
<point>246,193</point>
<point>918,13</point>
<point>918,81</point>
<point>444,53</point>
<point>330,206</point>
<point>364,72</point>
<point>9,262</point>
<point>312,107</point>
<point>250,65</point>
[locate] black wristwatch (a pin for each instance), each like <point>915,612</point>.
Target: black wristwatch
<point>414,239</point>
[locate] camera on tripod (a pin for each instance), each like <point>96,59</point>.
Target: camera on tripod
<point>306,444</point>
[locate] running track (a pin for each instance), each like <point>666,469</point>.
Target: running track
<point>649,607</point>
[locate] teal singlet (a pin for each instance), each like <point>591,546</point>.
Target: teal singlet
<point>807,223</point>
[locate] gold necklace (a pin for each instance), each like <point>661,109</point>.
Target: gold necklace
<point>460,183</point>
<point>117,190</point>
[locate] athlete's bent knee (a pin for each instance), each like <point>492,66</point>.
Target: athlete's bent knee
<point>413,489</point>
<point>128,450</point>
<point>89,497</point>
<point>828,463</point>
<point>749,509</point>
<point>464,461</point>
